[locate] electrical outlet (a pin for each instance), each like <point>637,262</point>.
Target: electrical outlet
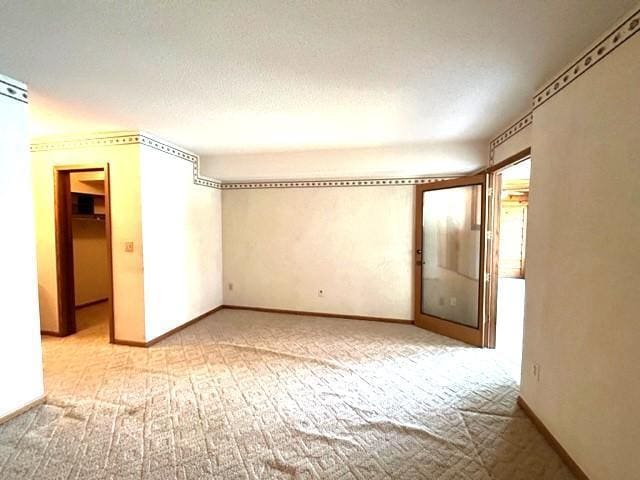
<point>230,286</point>
<point>321,293</point>
<point>453,301</point>
<point>128,247</point>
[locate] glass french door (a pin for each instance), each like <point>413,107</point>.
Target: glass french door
<point>449,258</point>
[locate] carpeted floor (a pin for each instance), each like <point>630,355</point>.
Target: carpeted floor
<point>246,395</point>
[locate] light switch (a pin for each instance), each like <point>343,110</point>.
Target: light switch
<point>128,247</point>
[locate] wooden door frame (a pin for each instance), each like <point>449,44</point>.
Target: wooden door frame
<point>467,334</point>
<point>64,244</point>
<point>493,241</point>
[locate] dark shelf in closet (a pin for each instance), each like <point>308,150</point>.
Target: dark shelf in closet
<point>83,206</point>
<point>95,216</point>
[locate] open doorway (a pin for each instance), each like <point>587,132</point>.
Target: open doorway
<point>512,186</point>
<point>470,257</point>
<point>83,244</point>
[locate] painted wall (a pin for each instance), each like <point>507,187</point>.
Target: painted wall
<point>583,267</point>
<point>124,165</point>
<point>281,246</point>
<point>181,231</point>
<point>398,161</point>
<point>20,352</point>
<point>90,263</point>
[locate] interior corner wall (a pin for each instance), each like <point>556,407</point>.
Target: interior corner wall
<point>282,245</point>
<point>124,166</point>
<point>181,230</point>
<point>583,267</point>
<point>20,351</point>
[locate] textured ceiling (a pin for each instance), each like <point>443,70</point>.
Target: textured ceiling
<point>242,76</point>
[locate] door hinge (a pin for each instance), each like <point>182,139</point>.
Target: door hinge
<point>489,191</point>
<point>489,235</point>
<point>487,277</point>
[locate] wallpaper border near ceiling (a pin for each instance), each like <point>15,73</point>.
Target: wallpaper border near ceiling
<point>199,179</point>
<point>614,38</point>
<point>344,182</point>
<point>510,131</point>
<point>13,91</point>
<point>128,138</point>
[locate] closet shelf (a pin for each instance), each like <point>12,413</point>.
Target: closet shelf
<point>96,217</point>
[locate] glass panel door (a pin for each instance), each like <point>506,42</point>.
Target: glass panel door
<point>449,258</point>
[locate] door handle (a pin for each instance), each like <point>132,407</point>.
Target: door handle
<point>419,252</point>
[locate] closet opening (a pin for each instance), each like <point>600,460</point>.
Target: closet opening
<point>83,247</point>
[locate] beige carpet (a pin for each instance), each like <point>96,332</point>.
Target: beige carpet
<point>245,395</point>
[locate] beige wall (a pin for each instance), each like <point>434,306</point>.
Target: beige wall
<point>90,264</point>
<point>583,267</point>
<point>181,229</point>
<point>281,246</point>
<point>124,165</point>
<point>20,352</point>
<point>174,273</point>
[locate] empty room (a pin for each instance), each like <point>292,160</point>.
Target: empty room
<point>280,239</point>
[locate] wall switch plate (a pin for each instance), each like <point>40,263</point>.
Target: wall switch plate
<point>128,247</point>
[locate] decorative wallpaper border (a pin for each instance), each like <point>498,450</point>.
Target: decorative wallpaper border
<point>115,140</point>
<point>360,182</point>
<point>612,40</point>
<point>131,139</point>
<point>13,91</point>
<point>616,37</point>
<point>198,179</point>
<point>509,132</point>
